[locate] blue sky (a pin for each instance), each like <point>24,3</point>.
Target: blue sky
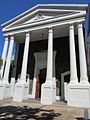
<point>11,8</point>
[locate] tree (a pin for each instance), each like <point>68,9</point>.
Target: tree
<point>1,62</point>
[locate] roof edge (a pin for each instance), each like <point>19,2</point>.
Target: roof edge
<point>19,16</point>
<point>43,5</point>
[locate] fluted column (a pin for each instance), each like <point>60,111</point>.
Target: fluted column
<point>73,68</point>
<point>7,68</point>
<point>82,56</point>
<point>4,55</point>
<point>50,55</point>
<point>25,58</point>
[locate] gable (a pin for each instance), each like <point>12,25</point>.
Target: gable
<point>43,13</point>
<point>42,16</point>
<point>48,14</point>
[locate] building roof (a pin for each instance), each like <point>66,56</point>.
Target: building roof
<point>48,6</point>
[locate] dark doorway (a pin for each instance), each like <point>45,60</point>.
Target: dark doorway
<point>42,78</point>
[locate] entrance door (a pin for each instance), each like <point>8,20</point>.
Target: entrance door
<point>41,78</point>
<point>37,86</point>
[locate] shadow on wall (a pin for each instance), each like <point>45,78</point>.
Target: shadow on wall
<point>80,119</point>
<point>26,113</point>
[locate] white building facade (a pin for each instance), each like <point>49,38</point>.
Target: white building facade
<point>46,22</point>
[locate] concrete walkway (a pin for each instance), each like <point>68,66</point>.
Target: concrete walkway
<point>33,110</point>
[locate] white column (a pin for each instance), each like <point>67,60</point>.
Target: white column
<point>4,55</point>
<point>82,56</point>
<point>54,57</point>
<point>73,68</point>
<point>50,55</point>
<point>16,58</point>
<point>7,68</point>
<point>48,91</point>
<point>25,58</point>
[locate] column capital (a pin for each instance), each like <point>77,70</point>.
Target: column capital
<point>11,37</point>
<point>27,34</point>
<point>5,35</point>
<point>6,38</point>
<point>71,26</point>
<point>27,31</point>
<point>79,25</point>
<point>50,30</point>
<point>50,27</point>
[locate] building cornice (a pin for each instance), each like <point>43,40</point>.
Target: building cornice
<point>45,26</point>
<point>63,6</point>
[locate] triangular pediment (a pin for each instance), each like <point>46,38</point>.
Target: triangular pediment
<point>38,17</point>
<point>42,16</point>
<point>48,15</point>
<point>42,13</point>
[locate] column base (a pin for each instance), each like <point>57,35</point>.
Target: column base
<point>21,91</point>
<point>5,89</point>
<point>78,95</point>
<point>48,93</point>
<point>84,80</point>
<point>73,80</point>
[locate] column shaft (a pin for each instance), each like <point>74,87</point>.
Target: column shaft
<point>73,68</point>
<point>50,55</point>
<point>4,55</point>
<point>7,68</point>
<point>82,56</point>
<point>16,59</point>
<point>25,58</point>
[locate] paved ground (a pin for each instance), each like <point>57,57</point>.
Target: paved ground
<point>33,110</point>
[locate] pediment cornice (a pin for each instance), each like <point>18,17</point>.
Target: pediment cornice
<point>44,13</point>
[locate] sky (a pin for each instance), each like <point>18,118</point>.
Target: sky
<point>11,8</point>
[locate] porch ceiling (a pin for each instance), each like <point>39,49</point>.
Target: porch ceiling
<point>36,35</point>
